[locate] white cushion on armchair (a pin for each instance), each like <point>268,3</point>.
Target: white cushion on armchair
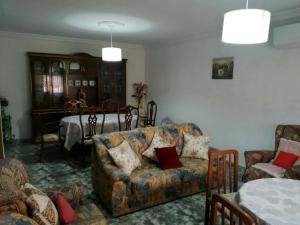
<point>270,168</point>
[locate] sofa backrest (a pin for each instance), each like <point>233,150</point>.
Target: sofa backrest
<point>140,138</point>
<point>290,132</point>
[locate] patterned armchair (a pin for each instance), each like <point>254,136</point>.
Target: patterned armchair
<point>13,209</point>
<point>290,132</point>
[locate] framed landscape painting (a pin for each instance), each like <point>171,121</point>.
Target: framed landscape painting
<point>222,68</point>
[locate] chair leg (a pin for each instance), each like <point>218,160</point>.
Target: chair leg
<point>207,208</point>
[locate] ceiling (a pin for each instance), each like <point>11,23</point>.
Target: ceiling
<point>147,22</point>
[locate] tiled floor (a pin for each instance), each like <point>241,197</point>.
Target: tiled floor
<point>59,167</point>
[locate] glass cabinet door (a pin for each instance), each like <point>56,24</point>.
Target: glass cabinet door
<point>120,88</point>
<point>41,84</point>
<point>114,81</point>
<point>58,70</point>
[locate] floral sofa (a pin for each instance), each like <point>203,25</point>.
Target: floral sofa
<point>146,186</point>
<point>290,132</point>
<point>14,209</point>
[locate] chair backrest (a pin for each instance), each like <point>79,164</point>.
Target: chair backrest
<point>151,113</point>
<point>129,112</point>
<point>110,106</point>
<point>71,107</point>
<point>236,214</point>
<point>222,167</point>
<point>290,132</point>
<point>92,121</point>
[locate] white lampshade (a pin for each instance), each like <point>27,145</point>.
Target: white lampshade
<point>246,26</point>
<point>111,54</point>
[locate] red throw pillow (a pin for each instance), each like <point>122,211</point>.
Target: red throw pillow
<point>285,159</point>
<point>168,158</point>
<point>65,211</point>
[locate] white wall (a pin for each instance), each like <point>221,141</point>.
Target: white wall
<point>241,113</point>
<point>14,75</point>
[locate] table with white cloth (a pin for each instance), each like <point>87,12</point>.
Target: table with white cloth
<point>71,128</point>
<point>272,201</point>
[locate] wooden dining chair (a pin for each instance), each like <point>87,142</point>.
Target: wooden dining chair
<point>71,107</point>
<point>93,123</point>
<point>236,214</point>
<point>49,133</point>
<point>128,112</point>
<point>110,106</point>
<point>151,113</point>
<point>222,176</point>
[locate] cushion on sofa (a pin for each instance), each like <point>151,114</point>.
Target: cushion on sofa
<point>42,208</point>
<point>157,142</point>
<point>285,159</point>
<point>195,146</point>
<point>290,147</point>
<point>124,157</point>
<point>269,168</point>
<point>65,211</point>
<point>167,158</point>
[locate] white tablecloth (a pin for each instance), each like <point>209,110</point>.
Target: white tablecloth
<point>272,201</point>
<point>72,131</point>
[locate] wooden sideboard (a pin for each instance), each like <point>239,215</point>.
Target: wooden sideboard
<point>56,78</point>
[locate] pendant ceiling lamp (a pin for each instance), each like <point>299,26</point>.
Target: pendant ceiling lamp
<point>111,54</point>
<point>246,26</point>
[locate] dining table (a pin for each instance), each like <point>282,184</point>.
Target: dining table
<point>71,129</point>
<point>272,201</point>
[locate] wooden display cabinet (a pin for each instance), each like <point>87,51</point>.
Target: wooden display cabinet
<point>56,78</point>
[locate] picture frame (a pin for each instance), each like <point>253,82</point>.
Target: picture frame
<point>77,83</point>
<point>222,68</point>
<point>70,83</point>
<point>92,83</point>
<point>85,83</point>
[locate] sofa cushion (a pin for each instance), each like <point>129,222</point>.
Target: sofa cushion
<point>42,208</point>
<point>269,168</point>
<point>285,159</point>
<point>188,128</point>
<point>65,211</point>
<point>124,157</point>
<point>290,147</point>
<point>168,158</point>
<point>157,142</point>
<point>195,146</point>
<point>152,178</point>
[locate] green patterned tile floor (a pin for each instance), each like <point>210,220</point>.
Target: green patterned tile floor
<point>60,168</point>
